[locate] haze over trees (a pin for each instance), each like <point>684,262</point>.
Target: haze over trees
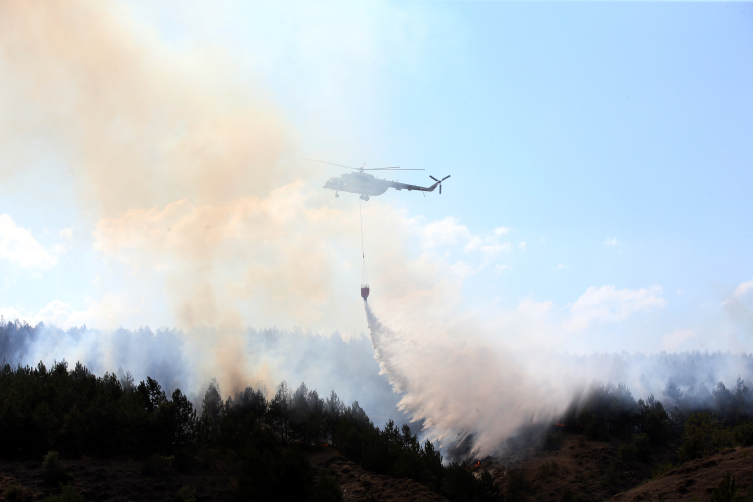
<point>167,356</point>
<point>699,423</point>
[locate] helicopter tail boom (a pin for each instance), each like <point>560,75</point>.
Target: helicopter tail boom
<point>403,186</point>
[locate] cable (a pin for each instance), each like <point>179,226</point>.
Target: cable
<point>364,279</point>
<point>360,215</point>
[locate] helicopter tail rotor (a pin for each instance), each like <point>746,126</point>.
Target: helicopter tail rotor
<point>439,182</point>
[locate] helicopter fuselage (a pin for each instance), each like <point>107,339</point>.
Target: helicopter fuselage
<point>368,185</point>
<point>361,183</point>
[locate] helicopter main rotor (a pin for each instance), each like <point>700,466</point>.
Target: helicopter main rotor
<point>362,168</point>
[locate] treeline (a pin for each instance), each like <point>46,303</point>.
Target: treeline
<point>76,412</point>
<point>698,428</point>
<point>165,355</point>
<point>303,418</point>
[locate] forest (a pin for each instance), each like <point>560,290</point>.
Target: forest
<point>73,412</point>
<point>63,412</point>
<point>699,428</point>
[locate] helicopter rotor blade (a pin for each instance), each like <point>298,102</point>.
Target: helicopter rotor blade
<point>445,177</point>
<point>330,163</point>
<point>440,189</point>
<point>391,169</point>
<point>435,179</point>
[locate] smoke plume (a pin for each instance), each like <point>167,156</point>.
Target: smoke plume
<point>185,176</point>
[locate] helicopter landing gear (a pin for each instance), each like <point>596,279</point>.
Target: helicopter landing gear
<point>364,197</point>
<point>337,194</point>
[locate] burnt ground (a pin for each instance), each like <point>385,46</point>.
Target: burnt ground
<point>359,484</point>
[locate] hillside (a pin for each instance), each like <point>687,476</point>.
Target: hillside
<point>211,477</point>
<point>583,470</point>
<point>122,479</point>
<point>697,479</point>
<point>115,440</point>
<point>359,484</point>
<point>577,470</point>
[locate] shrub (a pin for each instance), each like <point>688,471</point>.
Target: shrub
<point>187,493</point>
<point>744,434</point>
<point>612,473</point>
<point>460,485</point>
<point>54,470</point>
<point>548,469</point>
<point>67,494</point>
<point>327,489</point>
<point>569,496</point>
<point>628,452</point>
<point>594,426</point>
<point>487,490</point>
<point>155,465</point>
<point>183,461</point>
<point>271,473</point>
<point>654,420</point>
<point>458,482</point>
<point>748,494</point>
<point>14,491</point>
<point>698,438</point>
<point>692,447</point>
<point>639,448</point>
<point>725,491</point>
<point>661,469</point>
<point>517,486</point>
<point>553,441</point>
<point>642,445</point>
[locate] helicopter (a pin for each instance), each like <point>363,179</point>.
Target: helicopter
<point>368,185</point>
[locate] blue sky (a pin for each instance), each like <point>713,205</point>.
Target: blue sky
<point>591,145</point>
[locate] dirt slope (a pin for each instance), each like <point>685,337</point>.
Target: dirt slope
<point>359,484</point>
<point>697,479</point>
<point>213,479</point>
<point>577,470</point>
<point>584,471</point>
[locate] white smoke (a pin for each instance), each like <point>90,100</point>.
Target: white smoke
<point>464,384</point>
<point>459,382</point>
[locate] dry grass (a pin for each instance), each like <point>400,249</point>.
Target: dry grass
<point>696,479</point>
<point>361,485</point>
<point>580,470</point>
